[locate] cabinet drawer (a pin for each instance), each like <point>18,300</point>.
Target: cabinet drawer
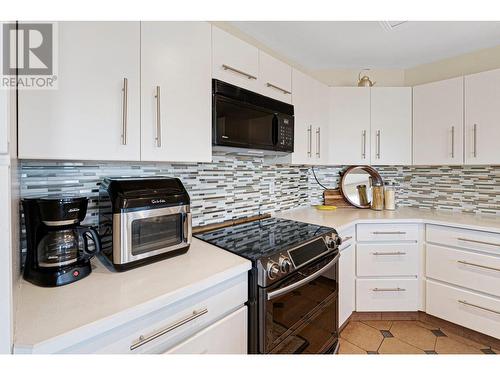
<point>465,238</point>
<point>387,232</point>
<point>226,336</point>
<point>387,259</point>
<point>471,270</point>
<point>472,310</point>
<point>171,325</point>
<point>347,237</point>
<point>386,295</point>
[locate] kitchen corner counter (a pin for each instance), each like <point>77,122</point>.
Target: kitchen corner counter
<point>343,218</point>
<point>48,317</point>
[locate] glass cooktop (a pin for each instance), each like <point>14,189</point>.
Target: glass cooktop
<point>263,238</point>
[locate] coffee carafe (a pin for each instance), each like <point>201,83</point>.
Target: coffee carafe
<point>59,249</point>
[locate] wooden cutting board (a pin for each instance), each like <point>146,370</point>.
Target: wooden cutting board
<point>333,197</point>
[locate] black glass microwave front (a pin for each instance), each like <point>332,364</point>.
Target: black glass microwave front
<point>244,119</point>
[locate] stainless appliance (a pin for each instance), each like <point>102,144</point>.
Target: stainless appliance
<point>293,284</point>
<point>143,219</point>
<point>59,249</point>
<point>243,120</point>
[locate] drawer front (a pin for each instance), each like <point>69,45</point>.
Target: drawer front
<point>171,325</point>
<point>471,270</point>
<point>226,336</point>
<point>387,259</point>
<point>347,237</point>
<point>464,238</point>
<point>387,232</point>
<point>386,295</point>
<point>472,310</point>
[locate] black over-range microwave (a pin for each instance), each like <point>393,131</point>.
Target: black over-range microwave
<point>243,119</point>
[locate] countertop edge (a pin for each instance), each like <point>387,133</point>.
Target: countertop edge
<point>110,322</point>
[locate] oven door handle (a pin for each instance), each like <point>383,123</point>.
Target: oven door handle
<point>304,281</point>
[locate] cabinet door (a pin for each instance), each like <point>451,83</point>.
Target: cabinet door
<point>303,102</point>
<point>350,125</point>
<point>275,78</point>
<point>438,123</point>
<point>227,336</point>
<point>175,63</point>
<point>482,114</point>
<point>347,285</point>
<point>89,116</point>
<point>234,61</point>
<point>391,125</point>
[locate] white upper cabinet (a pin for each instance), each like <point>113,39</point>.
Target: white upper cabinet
<point>482,118</point>
<point>321,123</point>
<point>275,78</point>
<point>94,112</point>
<point>349,140</point>
<point>391,125</point>
<point>438,123</point>
<point>176,91</point>
<point>234,61</point>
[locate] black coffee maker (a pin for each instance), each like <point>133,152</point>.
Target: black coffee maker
<point>59,249</point>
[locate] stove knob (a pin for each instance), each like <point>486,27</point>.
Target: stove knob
<point>285,264</point>
<point>334,241</point>
<point>273,270</point>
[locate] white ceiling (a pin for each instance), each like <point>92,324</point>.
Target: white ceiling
<point>368,44</point>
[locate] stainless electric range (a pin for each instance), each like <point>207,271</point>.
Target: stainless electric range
<point>293,284</point>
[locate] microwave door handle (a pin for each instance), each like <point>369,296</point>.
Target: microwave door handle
<point>302,282</point>
<point>187,227</point>
<point>275,129</point>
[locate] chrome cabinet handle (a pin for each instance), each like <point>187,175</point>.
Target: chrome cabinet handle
<point>478,265</point>
<point>304,281</point>
<point>269,84</point>
<point>397,232</point>
<point>124,111</point>
<point>390,253</point>
<point>452,142</point>
<point>479,242</point>
<point>378,144</point>
<point>363,144</point>
<point>228,67</point>
<point>158,117</point>
<point>144,340</point>
<point>309,141</point>
<point>318,142</point>
<point>475,141</point>
<point>463,302</point>
<point>346,238</point>
<point>388,289</point>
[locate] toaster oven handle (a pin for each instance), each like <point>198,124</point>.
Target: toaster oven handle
<point>188,227</point>
<point>302,282</point>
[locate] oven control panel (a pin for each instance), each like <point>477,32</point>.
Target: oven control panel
<point>279,265</point>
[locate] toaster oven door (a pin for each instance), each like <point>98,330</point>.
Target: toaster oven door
<point>142,234</point>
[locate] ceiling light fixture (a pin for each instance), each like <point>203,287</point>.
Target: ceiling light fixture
<point>391,25</point>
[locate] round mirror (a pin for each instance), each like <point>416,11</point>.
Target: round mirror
<point>356,185</point>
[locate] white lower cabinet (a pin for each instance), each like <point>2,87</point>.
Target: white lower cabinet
<point>227,336</point>
<point>347,277</point>
<point>472,310</point>
<point>386,294</point>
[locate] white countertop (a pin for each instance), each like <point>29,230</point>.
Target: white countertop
<point>343,218</point>
<point>107,299</point>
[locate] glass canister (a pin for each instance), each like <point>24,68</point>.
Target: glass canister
<point>390,196</point>
<point>378,196</point>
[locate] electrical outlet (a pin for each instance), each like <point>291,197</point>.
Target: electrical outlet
<point>271,187</point>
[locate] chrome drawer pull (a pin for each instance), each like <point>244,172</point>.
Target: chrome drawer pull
<point>269,84</point>
<point>346,238</point>
<point>391,253</point>
<point>158,117</point>
<point>479,307</point>
<point>480,242</point>
<point>478,265</point>
<point>389,290</point>
<point>389,232</point>
<point>124,111</point>
<point>228,67</point>
<point>144,340</point>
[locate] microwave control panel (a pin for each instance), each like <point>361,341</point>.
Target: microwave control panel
<point>285,134</point>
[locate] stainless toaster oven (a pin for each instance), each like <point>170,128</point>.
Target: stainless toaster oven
<point>143,219</point>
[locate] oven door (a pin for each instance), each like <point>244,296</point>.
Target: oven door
<point>145,233</point>
<point>300,313</point>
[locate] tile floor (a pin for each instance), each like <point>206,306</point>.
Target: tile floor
<point>404,337</point>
